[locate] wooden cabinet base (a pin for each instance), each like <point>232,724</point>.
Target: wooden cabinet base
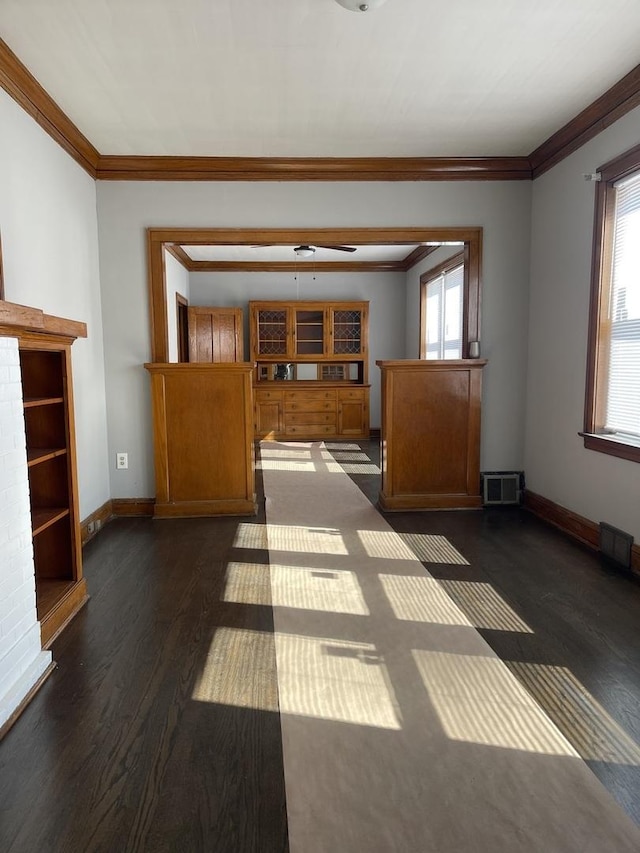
<point>194,509</point>
<point>203,439</point>
<point>60,601</point>
<point>431,434</point>
<point>311,411</point>
<point>399,503</point>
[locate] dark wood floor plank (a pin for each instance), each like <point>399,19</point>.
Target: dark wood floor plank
<point>116,754</point>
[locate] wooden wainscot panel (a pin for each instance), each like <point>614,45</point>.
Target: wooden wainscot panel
<point>203,439</point>
<point>431,434</point>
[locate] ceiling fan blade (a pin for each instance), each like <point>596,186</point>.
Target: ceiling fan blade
<point>338,248</point>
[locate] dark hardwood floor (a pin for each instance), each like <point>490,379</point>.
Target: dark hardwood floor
<point>114,754</point>
<point>580,658</point>
<point>156,732</point>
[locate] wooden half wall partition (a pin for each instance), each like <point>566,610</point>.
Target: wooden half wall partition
<point>431,434</point>
<point>203,439</point>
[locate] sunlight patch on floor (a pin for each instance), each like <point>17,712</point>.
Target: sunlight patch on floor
<point>285,537</point>
<point>483,606</point>
<point>247,583</point>
<point>352,468</point>
<point>251,536</point>
<point>479,701</point>
<point>289,453</point>
<point>307,540</point>
<point>433,548</point>
<point>284,465</point>
<point>345,456</point>
<point>335,680</point>
<point>421,599</point>
<point>301,587</point>
<point>591,729</point>
<point>385,544</point>
<point>238,670</point>
<point>317,589</point>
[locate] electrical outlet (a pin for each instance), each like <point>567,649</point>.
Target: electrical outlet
<point>122,460</point>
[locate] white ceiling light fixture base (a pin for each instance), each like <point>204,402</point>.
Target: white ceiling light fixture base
<point>304,251</point>
<point>359,5</point>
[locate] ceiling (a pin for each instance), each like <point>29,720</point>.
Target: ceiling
<point>383,257</point>
<point>307,78</point>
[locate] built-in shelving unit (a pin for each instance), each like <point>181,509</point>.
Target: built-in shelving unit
<point>311,369</point>
<point>46,384</point>
<point>45,363</point>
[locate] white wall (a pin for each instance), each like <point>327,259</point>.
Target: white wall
<point>48,221</point>
<point>177,281</point>
<point>599,487</point>
<point>125,209</point>
<point>385,293</point>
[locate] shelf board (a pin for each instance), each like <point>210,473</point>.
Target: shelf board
<point>44,517</point>
<point>30,402</point>
<point>49,592</point>
<point>35,455</point>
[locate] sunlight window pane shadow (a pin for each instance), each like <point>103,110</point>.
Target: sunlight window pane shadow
<point>300,587</point>
<point>426,548</point>
<point>239,670</point>
<point>589,727</point>
<point>479,701</point>
<point>335,680</point>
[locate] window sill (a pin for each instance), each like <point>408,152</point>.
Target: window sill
<point>613,446</point>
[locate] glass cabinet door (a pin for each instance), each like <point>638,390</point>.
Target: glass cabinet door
<point>347,332</point>
<point>272,332</point>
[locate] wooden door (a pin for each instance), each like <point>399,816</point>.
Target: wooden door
<point>353,411</point>
<point>268,413</point>
<point>215,334</point>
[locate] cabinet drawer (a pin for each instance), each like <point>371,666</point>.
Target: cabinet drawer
<point>295,396</point>
<point>296,418</point>
<point>310,406</point>
<point>352,393</point>
<point>263,395</point>
<point>312,429</point>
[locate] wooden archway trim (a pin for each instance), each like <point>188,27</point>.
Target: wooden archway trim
<point>158,238</point>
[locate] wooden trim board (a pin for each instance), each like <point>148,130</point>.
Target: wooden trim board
<point>23,87</point>
<point>571,523</point>
<point>94,522</point>
<point>18,82</point>
<point>136,507</point>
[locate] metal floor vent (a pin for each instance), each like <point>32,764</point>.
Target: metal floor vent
<point>502,487</point>
<point>615,545</point>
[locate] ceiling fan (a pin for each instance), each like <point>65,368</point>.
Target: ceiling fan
<point>306,250</point>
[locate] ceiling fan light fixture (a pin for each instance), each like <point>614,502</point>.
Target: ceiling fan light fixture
<point>304,251</point>
<point>359,6</point>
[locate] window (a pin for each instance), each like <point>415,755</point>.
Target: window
<point>612,412</point>
<point>442,309</point>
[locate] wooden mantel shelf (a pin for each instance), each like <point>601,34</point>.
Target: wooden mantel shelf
<point>15,319</point>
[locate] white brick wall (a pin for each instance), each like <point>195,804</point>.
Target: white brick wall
<point>22,661</point>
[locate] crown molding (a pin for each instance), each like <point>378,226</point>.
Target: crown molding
<point>23,87</point>
<point>20,84</point>
<point>307,265</point>
<point>114,168</point>
<point>616,102</point>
